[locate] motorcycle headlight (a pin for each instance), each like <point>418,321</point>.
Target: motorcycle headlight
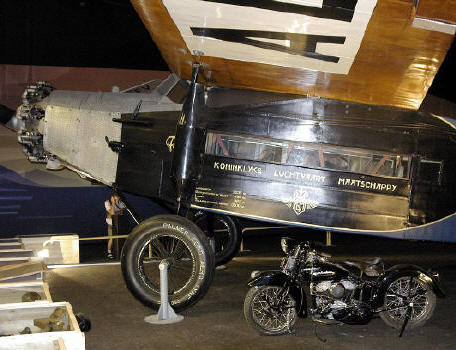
<point>287,244</point>
<point>254,273</point>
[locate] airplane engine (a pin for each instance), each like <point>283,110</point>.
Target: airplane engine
<point>79,129</point>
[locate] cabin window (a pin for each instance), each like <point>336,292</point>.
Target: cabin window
<point>243,148</point>
<point>308,155</point>
<point>430,171</point>
<point>346,159</point>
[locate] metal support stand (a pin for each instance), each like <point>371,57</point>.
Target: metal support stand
<point>328,238</point>
<point>166,314</point>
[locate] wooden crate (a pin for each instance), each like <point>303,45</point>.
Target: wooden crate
<point>14,292</point>
<point>14,318</point>
<point>14,260</point>
<point>58,249</point>
<point>10,245</point>
<point>24,271</point>
<point>16,253</point>
<point>40,344</point>
<point>10,240</point>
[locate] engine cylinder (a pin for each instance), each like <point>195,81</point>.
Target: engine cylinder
<point>337,290</point>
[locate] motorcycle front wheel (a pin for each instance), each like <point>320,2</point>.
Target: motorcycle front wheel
<point>270,310</point>
<point>404,291</point>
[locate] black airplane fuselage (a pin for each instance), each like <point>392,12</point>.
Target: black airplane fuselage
<point>294,160</point>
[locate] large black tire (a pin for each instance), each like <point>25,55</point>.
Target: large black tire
<point>227,235</point>
<point>266,319</point>
<point>188,250</point>
<point>395,308</point>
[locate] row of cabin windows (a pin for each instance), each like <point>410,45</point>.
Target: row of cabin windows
<point>308,155</point>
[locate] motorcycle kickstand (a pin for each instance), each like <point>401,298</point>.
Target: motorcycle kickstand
<point>408,312</point>
<point>407,318</point>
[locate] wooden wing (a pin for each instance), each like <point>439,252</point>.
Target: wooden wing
<point>383,52</point>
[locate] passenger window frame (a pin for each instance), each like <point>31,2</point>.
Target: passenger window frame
<point>400,163</point>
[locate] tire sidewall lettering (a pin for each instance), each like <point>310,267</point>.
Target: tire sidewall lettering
<point>193,245</point>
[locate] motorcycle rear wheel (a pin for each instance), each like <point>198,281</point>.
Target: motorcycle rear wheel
<point>395,307</point>
<point>266,314</point>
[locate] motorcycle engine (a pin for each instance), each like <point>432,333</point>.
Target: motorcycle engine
<point>334,301</point>
<point>335,289</point>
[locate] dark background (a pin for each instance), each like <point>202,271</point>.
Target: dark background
<point>91,33</point>
<point>105,33</point>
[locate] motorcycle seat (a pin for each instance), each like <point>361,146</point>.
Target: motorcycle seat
<point>369,267</point>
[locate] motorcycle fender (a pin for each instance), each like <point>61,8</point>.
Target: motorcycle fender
<point>425,276</point>
<point>278,278</point>
<point>268,278</point>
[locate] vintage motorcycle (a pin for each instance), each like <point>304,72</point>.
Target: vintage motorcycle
<point>313,284</point>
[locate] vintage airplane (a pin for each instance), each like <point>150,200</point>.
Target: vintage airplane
<point>300,112</point>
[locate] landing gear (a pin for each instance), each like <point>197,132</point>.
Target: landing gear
<point>186,248</point>
<point>225,232</point>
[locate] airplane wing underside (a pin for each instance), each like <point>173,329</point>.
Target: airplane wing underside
<point>383,52</point>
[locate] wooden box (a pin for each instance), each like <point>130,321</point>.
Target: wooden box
<point>30,317</point>
<point>21,271</point>
<point>60,249</point>
<point>18,292</point>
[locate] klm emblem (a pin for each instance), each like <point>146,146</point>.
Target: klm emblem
<point>182,120</point>
<point>170,143</point>
<point>301,202</point>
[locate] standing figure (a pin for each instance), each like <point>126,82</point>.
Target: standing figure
<point>114,207</point>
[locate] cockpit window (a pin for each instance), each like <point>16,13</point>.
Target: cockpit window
<point>430,171</point>
<point>308,155</point>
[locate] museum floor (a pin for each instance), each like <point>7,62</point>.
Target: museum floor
<point>217,321</point>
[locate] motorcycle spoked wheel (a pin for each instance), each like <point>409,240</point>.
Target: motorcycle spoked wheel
<point>264,312</point>
<point>400,292</point>
<point>186,248</point>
